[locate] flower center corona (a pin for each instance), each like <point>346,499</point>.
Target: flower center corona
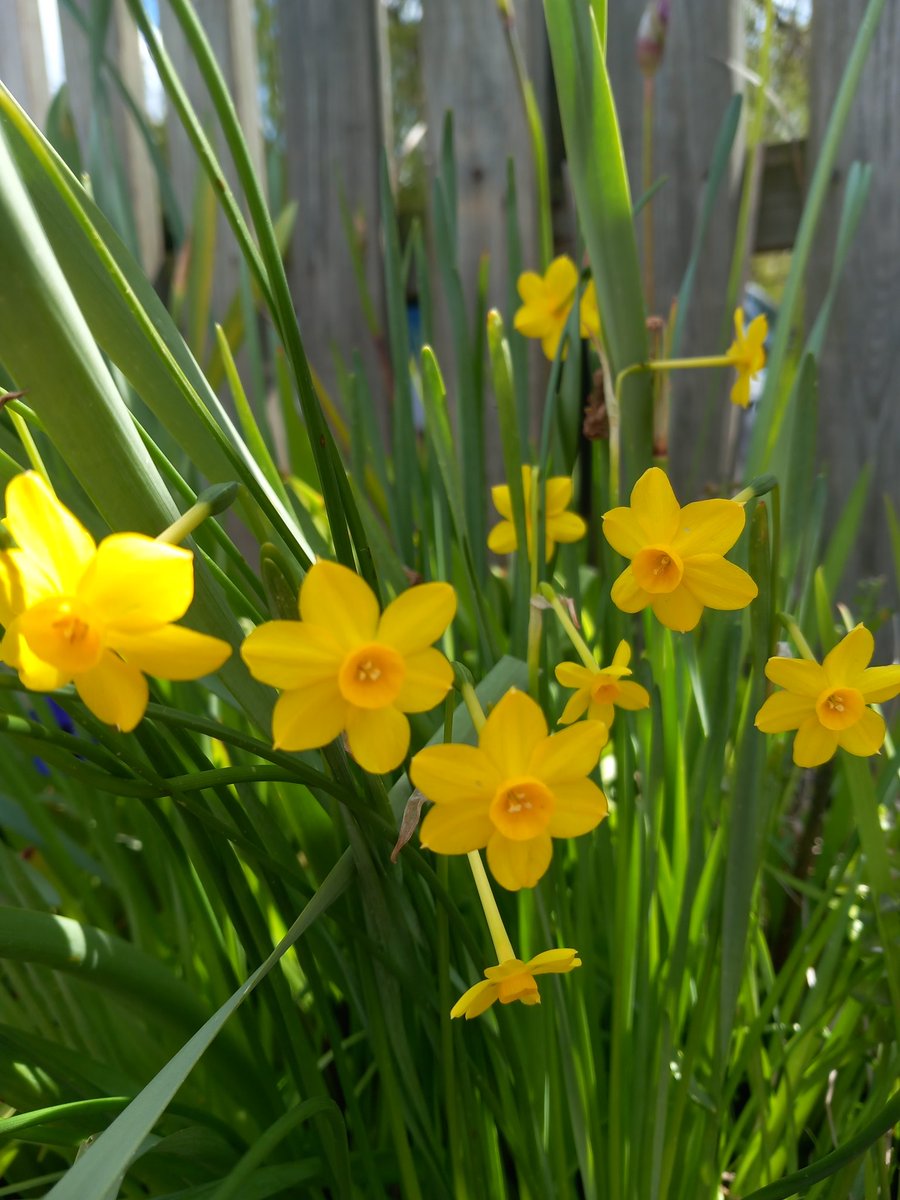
<point>64,632</point>
<point>518,987</point>
<point>657,569</point>
<point>521,808</point>
<point>839,708</point>
<point>371,676</point>
<point>605,690</point>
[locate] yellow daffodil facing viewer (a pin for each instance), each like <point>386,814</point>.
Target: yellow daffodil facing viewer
<point>95,616</point>
<point>345,667</point>
<point>559,525</point>
<point>827,704</point>
<point>547,301</point>
<point>677,565</point>
<point>600,690</point>
<point>747,354</point>
<point>514,792</point>
<point>514,980</point>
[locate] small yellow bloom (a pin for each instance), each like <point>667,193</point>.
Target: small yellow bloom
<point>547,301</point>
<point>677,565</point>
<point>601,689</point>
<point>747,353</point>
<point>95,616</point>
<point>514,792</point>
<point>827,704</point>
<point>345,667</point>
<point>559,525</point>
<point>514,980</point>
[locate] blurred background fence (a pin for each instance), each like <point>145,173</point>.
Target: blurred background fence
<point>322,87</point>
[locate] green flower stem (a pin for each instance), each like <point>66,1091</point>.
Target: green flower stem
<point>29,444</point>
<point>580,645</point>
<point>499,936</point>
<point>797,637</point>
<point>473,704</point>
<point>535,625</point>
<point>208,503</point>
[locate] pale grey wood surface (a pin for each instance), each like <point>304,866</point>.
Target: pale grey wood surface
<point>22,65</point>
<point>859,401</point>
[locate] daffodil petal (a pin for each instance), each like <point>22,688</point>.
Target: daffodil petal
<point>114,691</point>
<point>622,656</point>
<point>589,314</point>
<point>576,707</point>
<point>566,527</point>
<point>378,737</point>
<point>718,583</point>
<point>709,527</point>
<point>530,286</point>
<point>814,744</point>
<point>573,675</point>
<point>632,696</point>
<point>502,538</point>
<point>418,617</point>
<point>518,864</point>
<point>512,731</point>
<point>866,736</point>
<point>557,495</point>
<point>500,494</point>
<point>797,675</point>
<point>337,598</point>
<point>135,583</point>
<point>783,711</point>
<point>554,962</point>
<point>879,684</point>
<point>428,679</point>
<point>309,717</point>
<point>679,610</point>
<point>561,279</point>
<point>627,594</point>
<point>172,652</point>
<point>844,665</point>
<point>567,755</point>
<point>550,341</point>
<point>456,828</point>
<point>33,671</point>
<point>291,654</point>
<point>604,714</point>
<point>452,774</point>
<point>655,506</point>
<point>740,391</point>
<point>624,531</point>
<point>49,534</point>
<point>22,584</point>
<point>580,807</point>
<point>475,1001</point>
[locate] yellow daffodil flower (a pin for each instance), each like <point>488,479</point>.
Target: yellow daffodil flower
<point>547,301</point>
<point>95,616</point>
<point>345,667</point>
<point>601,689</point>
<point>559,525</point>
<point>514,792</point>
<point>827,704</point>
<point>677,565</point>
<point>514,980</point>
<point>747,354</point>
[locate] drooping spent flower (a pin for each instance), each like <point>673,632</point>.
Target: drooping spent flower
<point>513,793</point>
<point>559,525</point>
<point>514,980</point>
<point>600,690</point>
<point>747,354</point>
<point>677,565</point>
<point>547,301</point>
<point>98,616</point>
<point>347,668</point>
<point>828,704</point>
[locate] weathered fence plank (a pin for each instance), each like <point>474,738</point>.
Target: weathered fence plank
<point>693,87</point>
<point>23,67</point>
<point>332,81</point>
<point>859,416</point>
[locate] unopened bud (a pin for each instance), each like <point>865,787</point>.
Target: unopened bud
<point>651,36</point>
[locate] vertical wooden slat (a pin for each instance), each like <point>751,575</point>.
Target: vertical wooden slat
<point>229,27</point>
<point>122,49</point>
<point>22,64</point>
<point>334,130</point>
<point>859,416</point>
<point>693,88</point>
